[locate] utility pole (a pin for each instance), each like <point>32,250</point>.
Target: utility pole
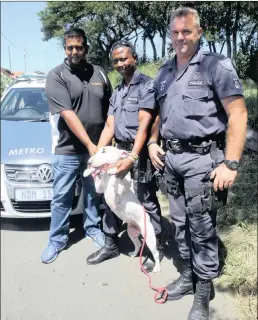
<point>10,59</point>
<point>45,61</point>
<point>24,61</point>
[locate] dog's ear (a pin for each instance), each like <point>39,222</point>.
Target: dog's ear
<point>123,154</point>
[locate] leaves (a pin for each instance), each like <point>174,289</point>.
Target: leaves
<point>224,24</point>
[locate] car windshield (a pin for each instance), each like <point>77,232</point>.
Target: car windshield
<point>25,104</point>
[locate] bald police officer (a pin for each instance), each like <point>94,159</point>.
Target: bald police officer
<point>129,116</point>
<point>198,95</point>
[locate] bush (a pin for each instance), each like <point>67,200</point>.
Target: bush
<point>5,81</point>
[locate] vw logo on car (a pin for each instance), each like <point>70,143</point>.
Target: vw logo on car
<point>44,173</point>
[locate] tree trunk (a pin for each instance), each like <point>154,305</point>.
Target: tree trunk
<point>234,43</point>
<point>210,48</point>
<point>222,46</point>
<point>214,46</point>
<point>144,50</point>
<point>153,48</point>
<point>163,52</point>
<point>235,28</point>
<point>105,62</point>
<point>228,40</point>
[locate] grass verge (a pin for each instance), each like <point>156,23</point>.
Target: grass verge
<point>237,224</point>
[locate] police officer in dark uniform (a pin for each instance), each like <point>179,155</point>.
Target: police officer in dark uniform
<point>198,95</point>
<point>129,117</point>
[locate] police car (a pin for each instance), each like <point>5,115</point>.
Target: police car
<point>26,174</point>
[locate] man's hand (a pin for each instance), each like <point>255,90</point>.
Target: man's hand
<point>223,177</point>
<point>92,148</point>
<point>123,167</point>
<point>154,152</point>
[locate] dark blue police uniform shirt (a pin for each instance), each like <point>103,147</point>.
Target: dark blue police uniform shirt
<point>190,102</point>
<point>126,102</point>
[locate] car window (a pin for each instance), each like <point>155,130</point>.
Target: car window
<point>25,103</point>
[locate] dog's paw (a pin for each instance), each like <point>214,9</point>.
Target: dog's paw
<point>156,269</point>
<point>88,172</point>
<point>112,171</point>
<point>133,254</point>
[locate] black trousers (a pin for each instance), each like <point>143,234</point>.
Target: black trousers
<point>195,231</point>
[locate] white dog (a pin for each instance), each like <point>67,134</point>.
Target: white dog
<point>121,199</point>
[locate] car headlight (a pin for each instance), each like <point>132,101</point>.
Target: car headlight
<point>3,187</point>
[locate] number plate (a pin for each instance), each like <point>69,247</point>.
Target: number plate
<point>38,194</point>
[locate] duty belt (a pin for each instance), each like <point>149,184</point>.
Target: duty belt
<point>201,146</point>
<point>127,145</point>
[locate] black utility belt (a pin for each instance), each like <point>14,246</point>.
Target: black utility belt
<point>199,146</point>
<point>127,145</point>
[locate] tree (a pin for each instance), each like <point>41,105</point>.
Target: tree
<point>104,23</point>
<point>4,83</point>
<point>226,22</point>
<point>153,18</point>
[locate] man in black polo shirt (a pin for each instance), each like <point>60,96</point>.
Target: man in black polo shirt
<point>78,94</point>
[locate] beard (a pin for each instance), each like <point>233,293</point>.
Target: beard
<point>76,60</point>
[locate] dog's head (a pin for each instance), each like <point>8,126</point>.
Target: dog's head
<point>105,156</point>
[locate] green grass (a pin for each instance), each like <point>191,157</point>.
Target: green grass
<point>237,224</point>
<point>251,99</point>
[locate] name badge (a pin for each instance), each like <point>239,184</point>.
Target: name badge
<point>198,83</point>
<point>132,99</point>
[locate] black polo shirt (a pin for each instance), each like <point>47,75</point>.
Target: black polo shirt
<point>87,93</point>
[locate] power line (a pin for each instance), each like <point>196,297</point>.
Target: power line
<point>24,51</point>
<point>12,43</point>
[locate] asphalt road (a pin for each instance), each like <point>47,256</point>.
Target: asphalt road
<point>70,289</point>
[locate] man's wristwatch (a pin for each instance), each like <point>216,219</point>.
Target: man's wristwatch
<point>232,164</point>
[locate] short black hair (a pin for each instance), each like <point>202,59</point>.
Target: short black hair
<point>123,43</point>
<point>75,33</point>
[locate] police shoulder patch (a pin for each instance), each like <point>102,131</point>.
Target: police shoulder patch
<point>227,64</point>
<point>166,63</point>
<point>149,84</point>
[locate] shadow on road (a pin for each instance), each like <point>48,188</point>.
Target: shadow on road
<point>36,224</point>
<point>214,315</point>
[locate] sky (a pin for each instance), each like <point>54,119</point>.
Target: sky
<point>21,26</point>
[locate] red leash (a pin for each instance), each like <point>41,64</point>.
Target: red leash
<point>160,290</point>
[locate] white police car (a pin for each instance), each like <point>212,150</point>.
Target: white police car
<point>26,174</point>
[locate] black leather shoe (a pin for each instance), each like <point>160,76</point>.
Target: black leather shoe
<point>183,285</point>
<point>200,308</point>
<point>109,251</point>
<point>149,263</point>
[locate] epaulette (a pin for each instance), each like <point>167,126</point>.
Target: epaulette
<point>214,54</point>
<point>145,77</point>
<point>166,63</point>
<point>225,62</point>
